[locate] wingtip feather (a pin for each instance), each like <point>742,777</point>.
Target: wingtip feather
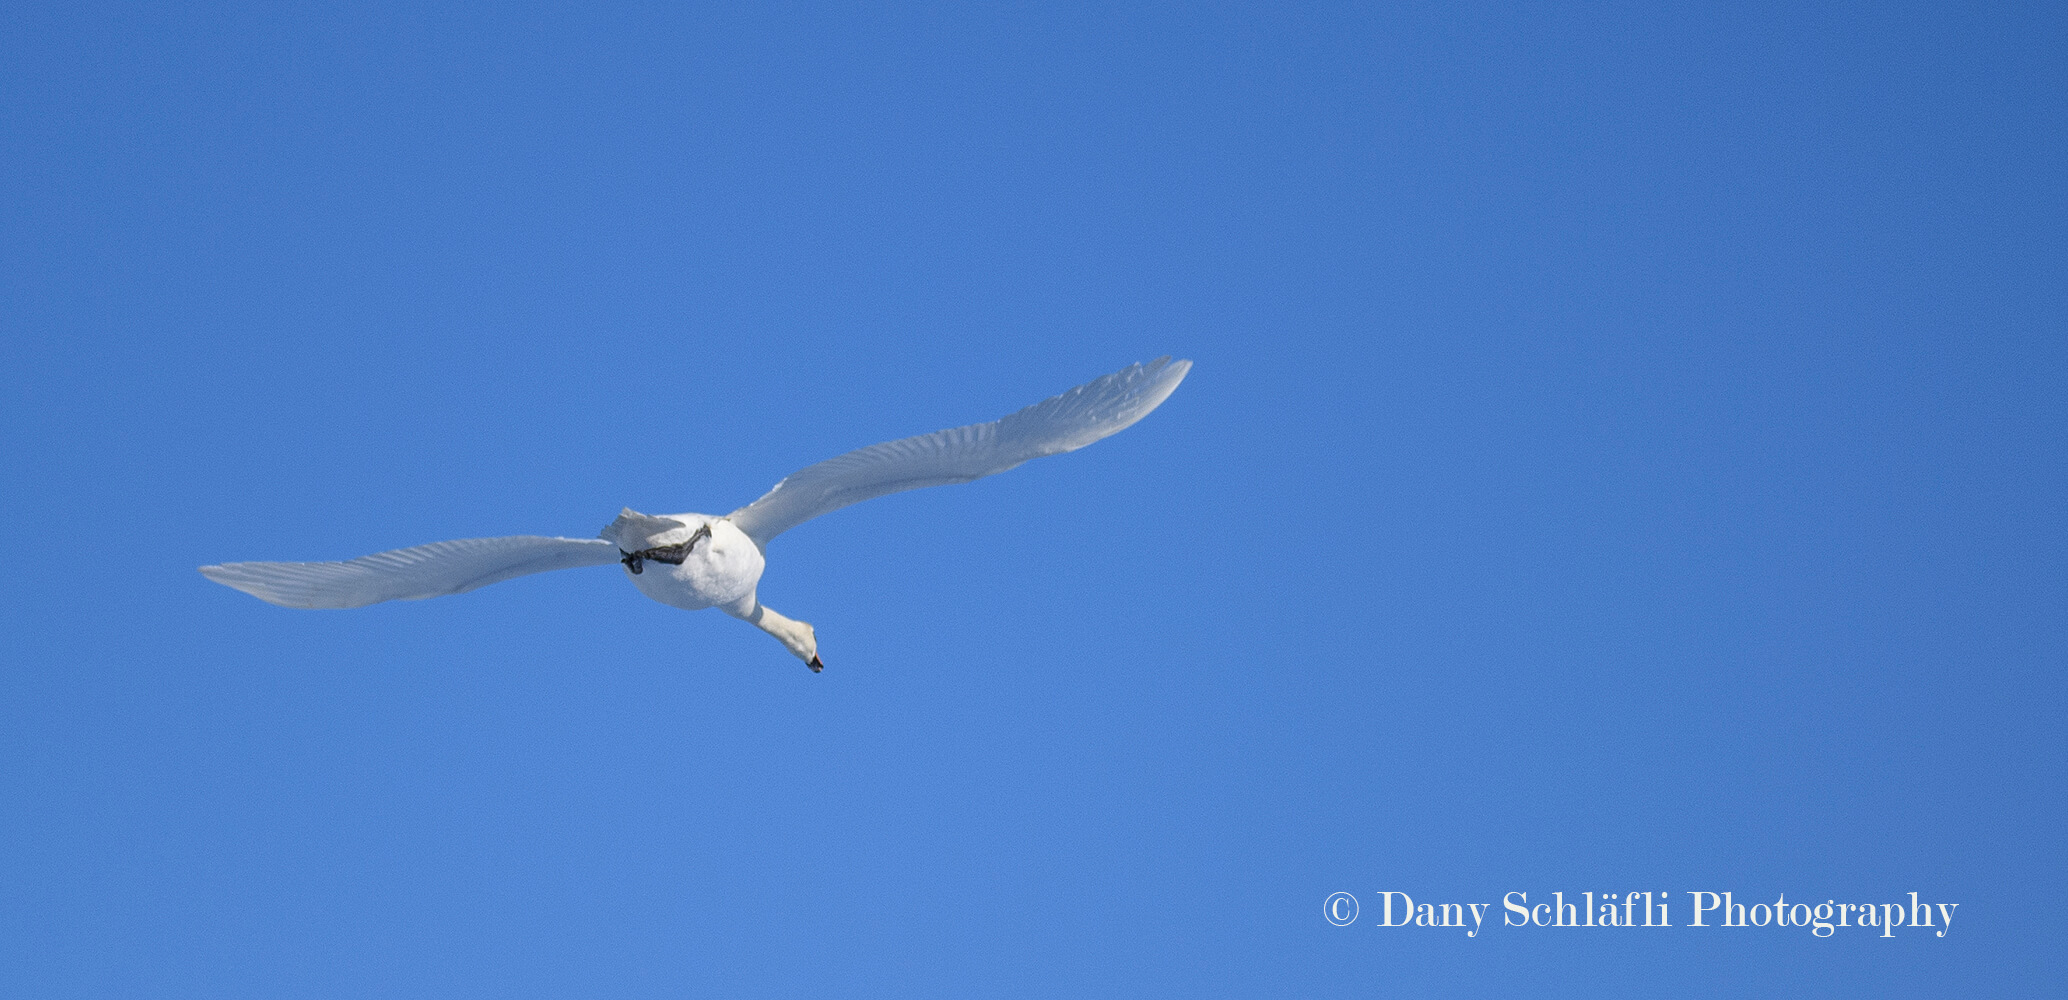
<point>231,575</point>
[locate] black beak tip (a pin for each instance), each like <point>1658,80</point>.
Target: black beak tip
<point>815,665</point>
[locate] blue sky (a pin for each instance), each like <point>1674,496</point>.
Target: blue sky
<point>1626,452</point>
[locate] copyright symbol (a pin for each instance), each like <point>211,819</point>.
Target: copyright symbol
<point>1341,909</point>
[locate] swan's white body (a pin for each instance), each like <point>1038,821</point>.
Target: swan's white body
<point>718,573</point>
<point>697,561</point>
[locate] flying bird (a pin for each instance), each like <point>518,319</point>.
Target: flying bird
<point>697,561</point>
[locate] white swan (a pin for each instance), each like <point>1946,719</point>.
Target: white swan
<point>696,561</point>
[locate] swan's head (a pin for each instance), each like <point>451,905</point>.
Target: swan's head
<point>798,637</point>
<point>810,653</point>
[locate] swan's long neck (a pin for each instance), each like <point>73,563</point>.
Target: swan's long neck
<point>796,636</point>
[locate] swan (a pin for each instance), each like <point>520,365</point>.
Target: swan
<point>697,561</point>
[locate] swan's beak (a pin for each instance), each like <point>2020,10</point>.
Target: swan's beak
<point>815,665</point>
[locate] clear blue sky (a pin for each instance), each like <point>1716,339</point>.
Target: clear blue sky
<point>1627,451</point>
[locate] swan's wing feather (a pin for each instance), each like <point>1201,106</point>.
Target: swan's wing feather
<point>409,574</point>
<point>633,531</point>
<point>1096,409</point>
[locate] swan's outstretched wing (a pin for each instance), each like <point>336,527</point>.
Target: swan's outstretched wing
<point>432,570</point>
<point>1096,409</point>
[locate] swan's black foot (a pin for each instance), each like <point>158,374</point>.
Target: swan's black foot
<point>673,555</point>
<point>815,665</point>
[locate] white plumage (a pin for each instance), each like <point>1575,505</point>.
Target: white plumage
<point>432,570</point>
<point>699,561</point>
